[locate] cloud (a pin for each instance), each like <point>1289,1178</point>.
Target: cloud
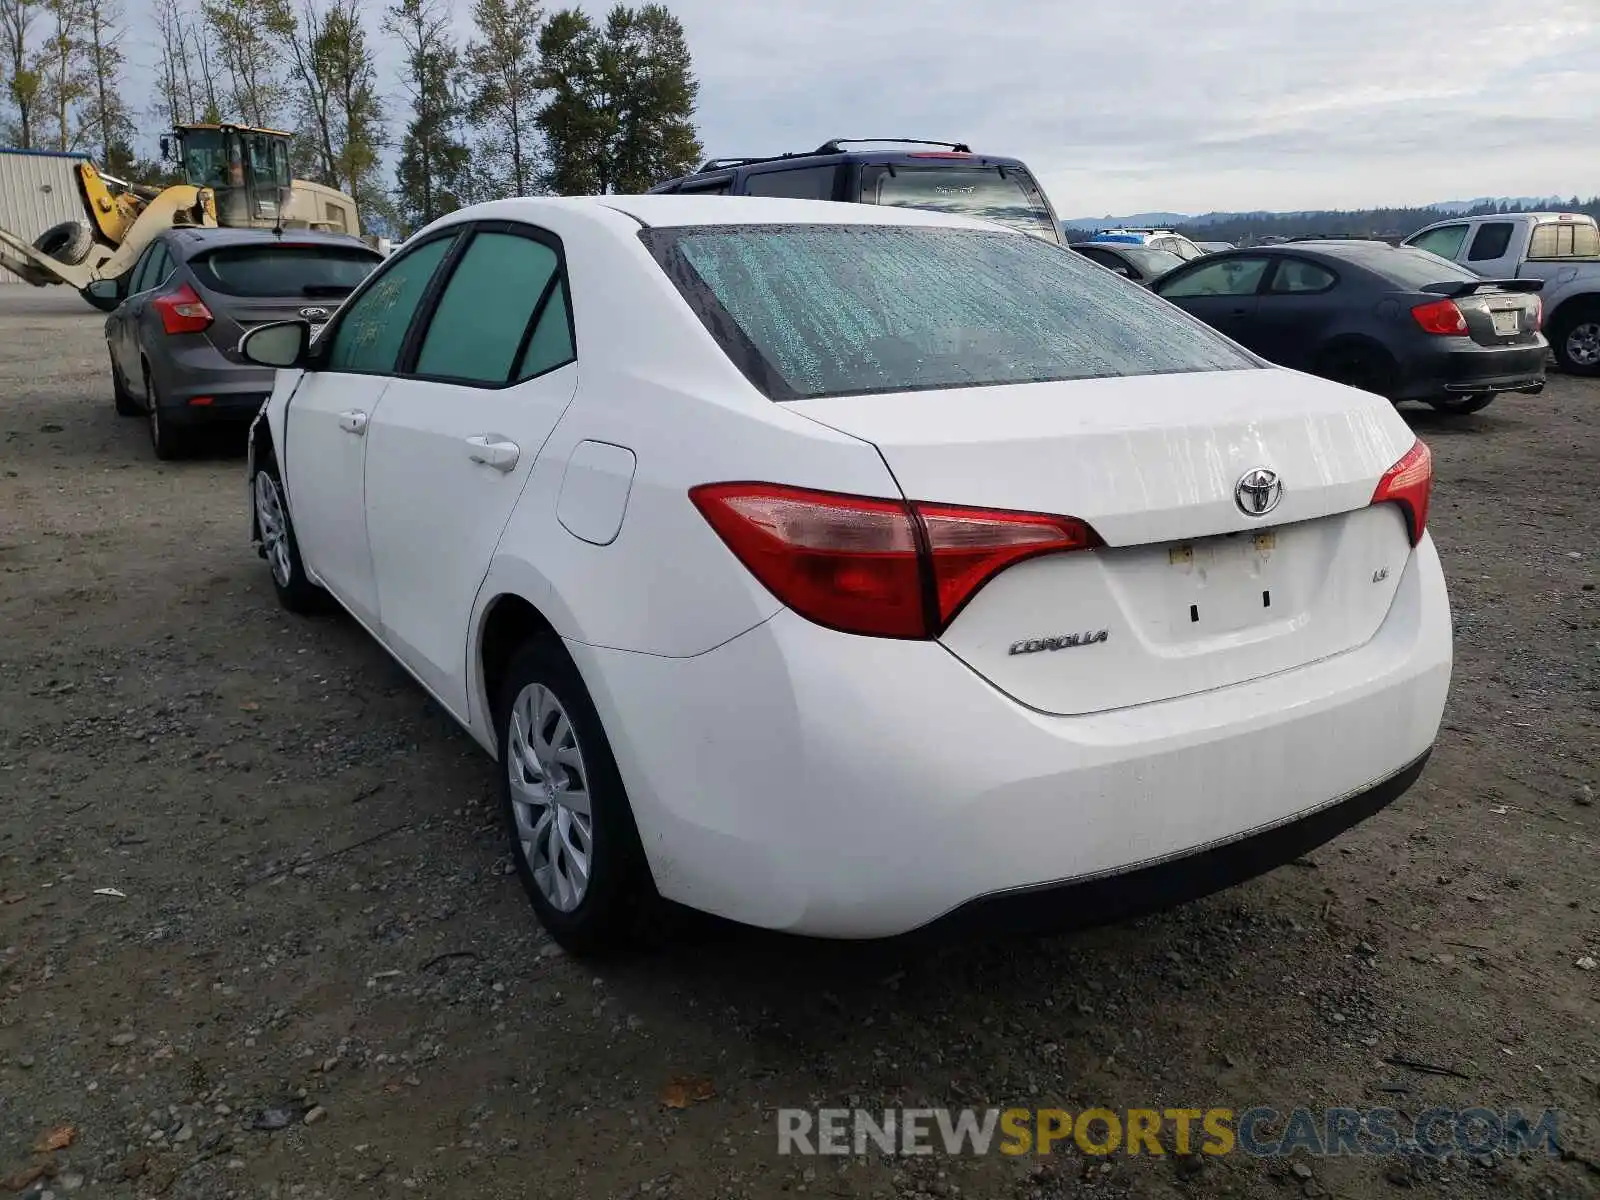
<point>1186,105</point>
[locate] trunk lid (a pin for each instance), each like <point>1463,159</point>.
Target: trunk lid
<point>1189,593</point>
<point>1499,318</point>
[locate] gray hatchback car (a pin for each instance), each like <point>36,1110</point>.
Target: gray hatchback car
<point>174,338</point>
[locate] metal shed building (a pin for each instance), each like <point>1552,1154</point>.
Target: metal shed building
<point>38,189</point>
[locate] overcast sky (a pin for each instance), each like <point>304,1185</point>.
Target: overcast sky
<point>1182,105</point>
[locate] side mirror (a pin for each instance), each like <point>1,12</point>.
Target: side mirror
<point>107,290</point>
<point>166,148</point>
<point>280,344</point>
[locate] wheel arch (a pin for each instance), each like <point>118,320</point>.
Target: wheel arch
<point>1359,342</point>
<point>507,618</point>
<point>1577,302</point>
<point>258,449</point>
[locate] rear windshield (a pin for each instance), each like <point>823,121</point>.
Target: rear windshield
<point>270,270</point>
<point>1413,270</point>
<point>830,310</point>
<point>1007,195</point>
<point>1564,239</point>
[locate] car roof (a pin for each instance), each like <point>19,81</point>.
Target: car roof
<point>675,211</point>
<point>833,153</point>
<point>193,240</point>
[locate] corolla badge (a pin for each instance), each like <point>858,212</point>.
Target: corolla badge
<point>1258,491</point>
<point>314,314</point>
<point>1065,641</point>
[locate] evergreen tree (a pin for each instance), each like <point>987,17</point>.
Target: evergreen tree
<point>619,113</point>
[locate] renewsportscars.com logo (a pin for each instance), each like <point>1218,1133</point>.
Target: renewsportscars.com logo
<point>1260,1132</point>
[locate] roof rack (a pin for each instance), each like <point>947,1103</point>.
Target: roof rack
<point>722,164</point>
<point>837,145</point>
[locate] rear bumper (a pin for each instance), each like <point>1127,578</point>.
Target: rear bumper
<point>1462,367</point>
<point>193,370</point>
<point>1119,895</point>
<point>805,780</point>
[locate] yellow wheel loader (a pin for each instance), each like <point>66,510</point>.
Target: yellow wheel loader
<point>234,176</point>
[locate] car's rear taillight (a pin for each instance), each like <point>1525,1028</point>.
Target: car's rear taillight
<point>872,566</point>
<point>1441,317</point>
<point>183,311</point>
<point>1538,312</point>
<point>1409,483</point>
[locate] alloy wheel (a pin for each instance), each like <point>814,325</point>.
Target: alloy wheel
<point>274,526</point>
<point>1583,344</point>
<point>550,797</point>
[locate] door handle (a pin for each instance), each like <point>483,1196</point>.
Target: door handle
<point>492,450</point>
<point>354,421</point>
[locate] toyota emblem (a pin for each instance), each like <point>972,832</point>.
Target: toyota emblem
<point>1257,493</point>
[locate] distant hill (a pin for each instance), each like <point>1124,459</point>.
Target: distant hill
<point>1393,223</point>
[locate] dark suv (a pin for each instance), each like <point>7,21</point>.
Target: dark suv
<point>951,179</point>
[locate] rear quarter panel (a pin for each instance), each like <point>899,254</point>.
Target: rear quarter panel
<point>652,380</point>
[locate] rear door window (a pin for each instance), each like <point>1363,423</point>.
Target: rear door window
<point>480,326</point>
<point>1006,195</point>
<point>1490,242</point>
<point>285,270</point>
<point>800,183</point>
<point>826,310</point>
<point>142,270</point>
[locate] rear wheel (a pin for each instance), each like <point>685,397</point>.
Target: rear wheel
<point>1575,339</point>
<point>127,404</point>
<point>1358,366</point>
<point>68,242</point>
<point>567,815</point>
<point>168,442</point>
<point>1460,406</point>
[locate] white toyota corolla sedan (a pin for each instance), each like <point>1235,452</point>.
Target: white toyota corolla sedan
<point>855,571</point>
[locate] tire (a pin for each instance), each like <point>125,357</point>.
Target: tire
<point>127,404</point>
<point>1358,366</point>
<point>614,904</point>
<point>68,242</point>
<point>1460,406</point>
<point>169,443</point>
<point>279,545</point>
<point>1575,340</point>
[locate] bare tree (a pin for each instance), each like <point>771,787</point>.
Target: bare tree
<point>249,53</point>
<point>301,35</point>
<point>65,81</point>
<point>502,65</point>
<point>23,84</point>
<point>110,123</point>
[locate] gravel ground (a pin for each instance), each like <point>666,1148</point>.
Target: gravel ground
<point>316,927</point>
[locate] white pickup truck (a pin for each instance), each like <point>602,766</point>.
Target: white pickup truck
<point>1563,249</point>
